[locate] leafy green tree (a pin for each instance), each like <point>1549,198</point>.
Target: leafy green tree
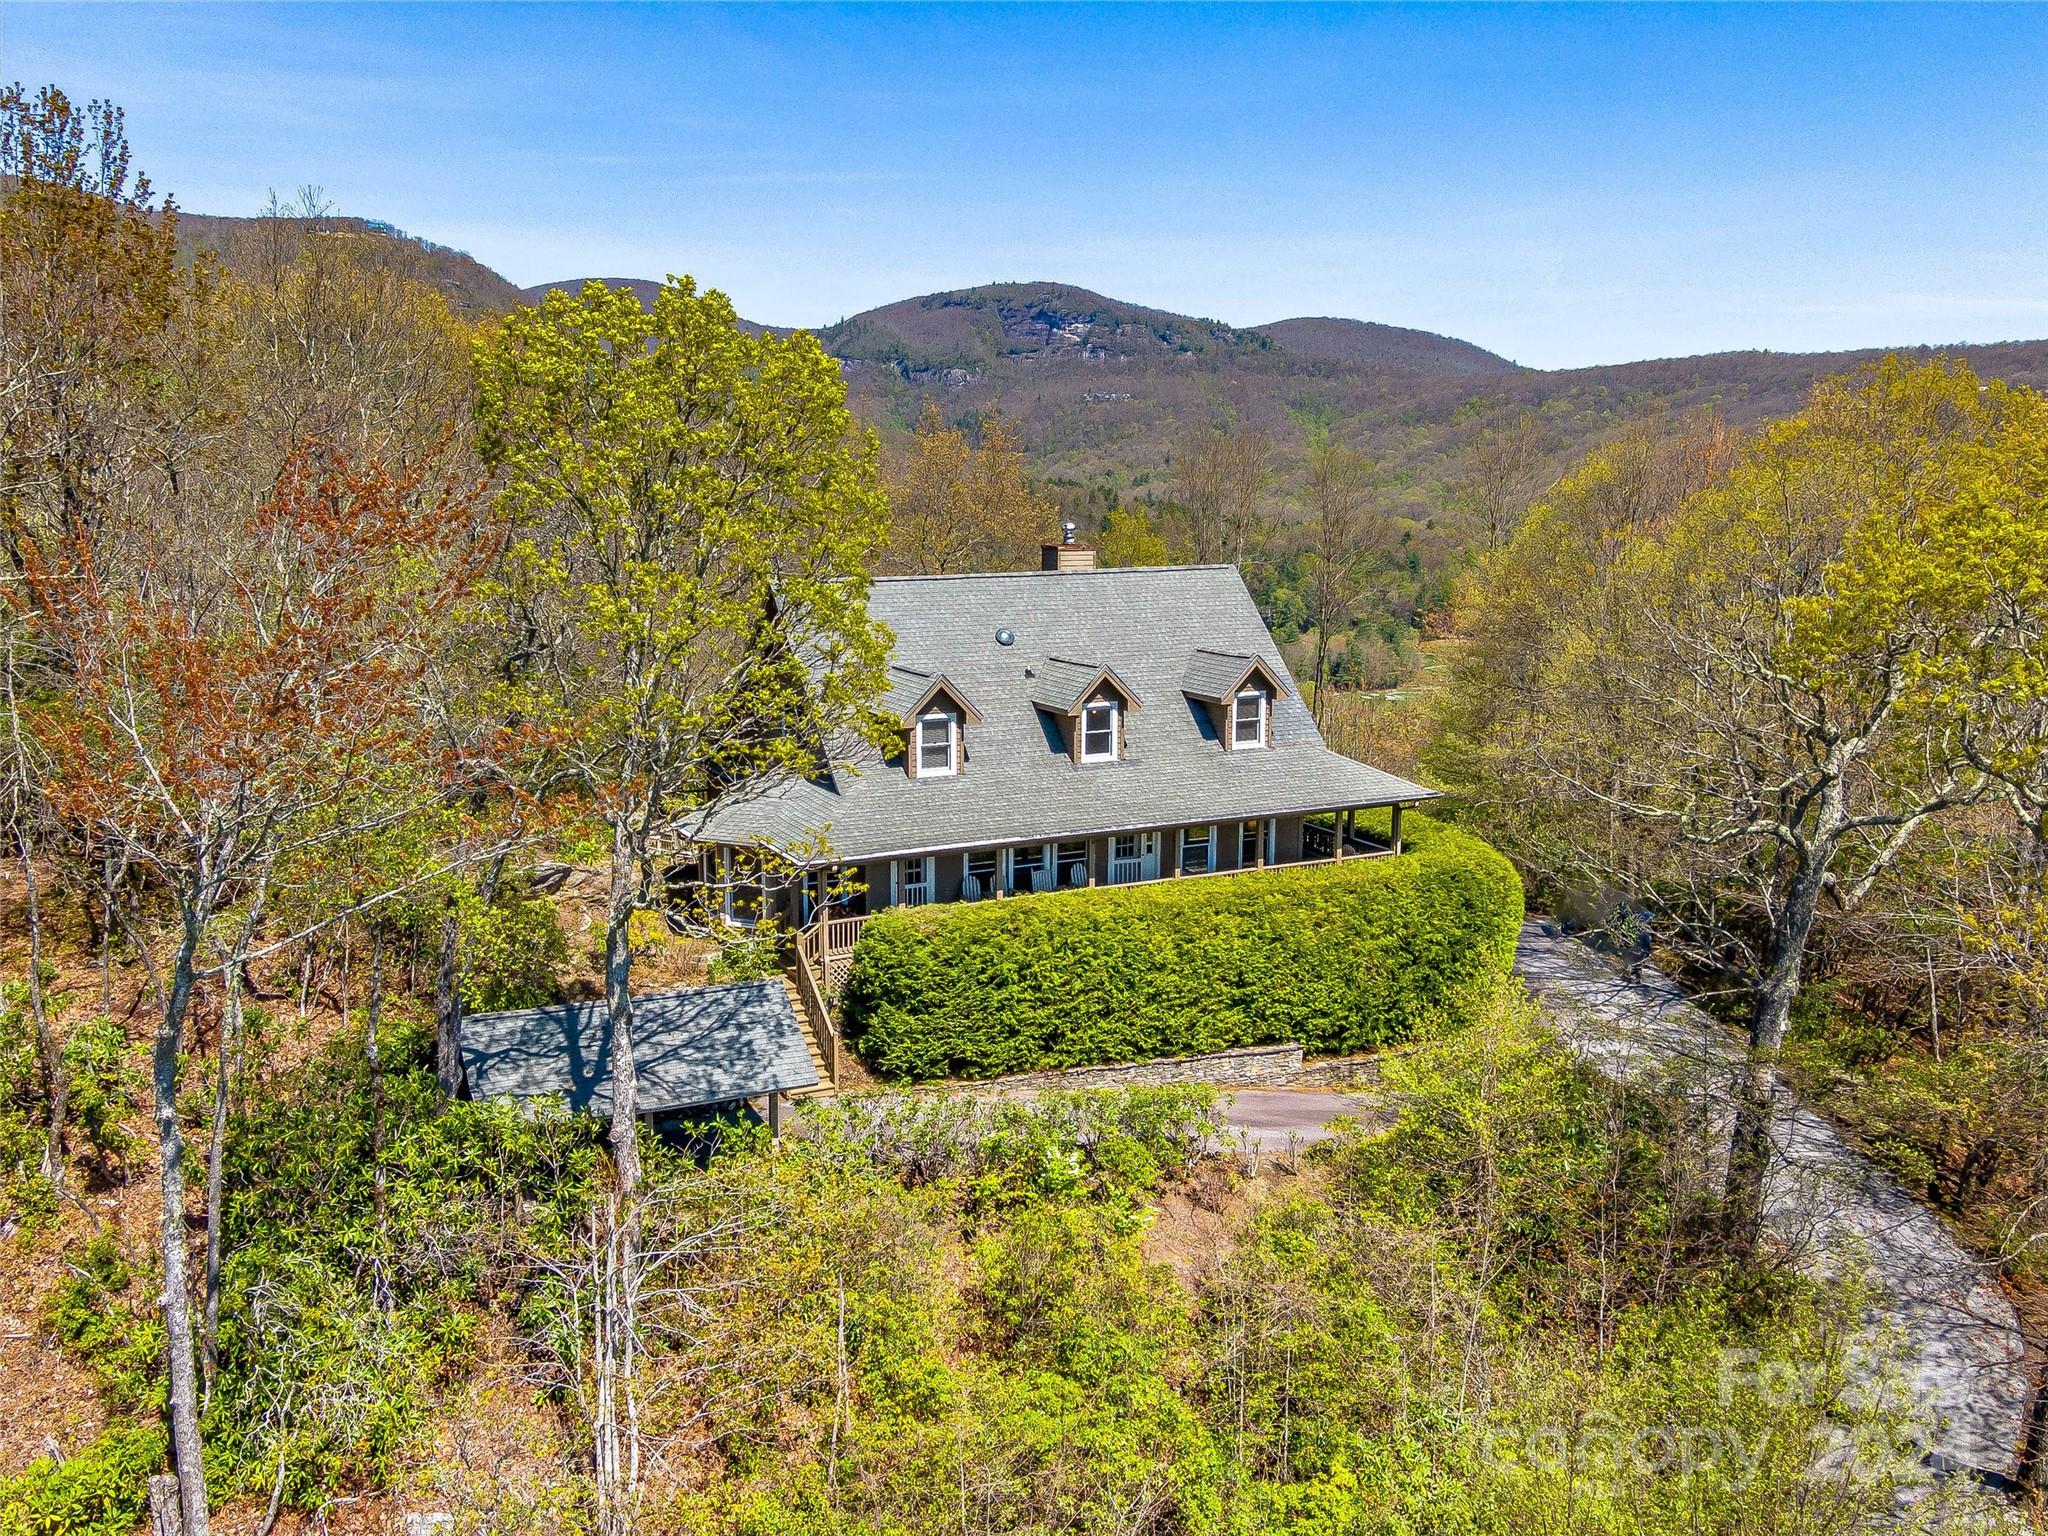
<point>1762,682</point>
<point>1741,694</point>
<point>683,606</point>
<point>1129,538</point>
<point>695,518</point>
<point>961,504</point>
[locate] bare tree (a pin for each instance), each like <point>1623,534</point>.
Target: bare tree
<point>241,698</point>
<point>1337,505</point>
<point>1504,476</point>
<point>1220,479</point>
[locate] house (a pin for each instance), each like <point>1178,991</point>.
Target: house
<point>1053,729</point>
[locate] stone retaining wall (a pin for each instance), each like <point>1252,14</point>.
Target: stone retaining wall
<point>1249,1066</point>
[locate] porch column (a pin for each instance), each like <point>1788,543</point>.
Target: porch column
<point>1337,829</point>
<point>1259,843</point>
<point>1396,839</point>
<point>774,1114</point>
<point>1179,837</point>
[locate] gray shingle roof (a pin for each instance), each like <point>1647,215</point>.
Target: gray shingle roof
<point>1017,783</point>
<point>693,1048</point>
<point>1219,674</point>
<point>910,688</point>
<point>1061,683</point>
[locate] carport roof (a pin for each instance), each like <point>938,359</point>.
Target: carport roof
<point>705,1046</point>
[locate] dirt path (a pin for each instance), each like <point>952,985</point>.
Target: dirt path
<point>1826,1200</point>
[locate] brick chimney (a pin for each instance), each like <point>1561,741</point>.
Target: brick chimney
<point>1066,555</point>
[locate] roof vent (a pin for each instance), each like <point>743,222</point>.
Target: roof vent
<point>1005,637</point>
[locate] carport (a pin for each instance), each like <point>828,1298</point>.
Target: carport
<point>695,1050</point>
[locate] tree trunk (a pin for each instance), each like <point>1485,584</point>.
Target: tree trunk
<point>448,1006</point>
<point>176,1299</point>
<point>2032,1472</point>
<point>618,997</point>
<point>373,1052</point>
<point>1322,677</point>
<point>1749,1148</point>
<point>1749,1161</point>
<point>229,1065</point>
<point>54,1079</point>
<point>618,1449</point>
<point>1779,989</point>
<point>163,1506</point>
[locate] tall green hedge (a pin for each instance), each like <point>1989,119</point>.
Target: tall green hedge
<point>1338,956</point>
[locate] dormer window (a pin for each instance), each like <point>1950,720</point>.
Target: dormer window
<point>938,744</point>
<point>1236,695</point>
<point>1087,701</point>
<point>932,715</point>
<point>1099,724</point>
<point>1248,720</point>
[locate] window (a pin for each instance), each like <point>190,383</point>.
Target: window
<point>1029,869</point>
<point>1194,850</point>
<point>938,745</point>
<point>746,893</point>
<point>1248,720</point>
<point>984,870</point>
<point>1098,732</point>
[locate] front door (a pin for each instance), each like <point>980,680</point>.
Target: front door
<point>1133,856</point>
<point>914,881</point>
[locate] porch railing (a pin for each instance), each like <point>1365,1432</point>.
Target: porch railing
<point>828,942</point>
<point>827,945</point>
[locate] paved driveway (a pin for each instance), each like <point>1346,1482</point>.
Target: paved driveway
<point>1283,1119</point>
<point>1957,1330</point>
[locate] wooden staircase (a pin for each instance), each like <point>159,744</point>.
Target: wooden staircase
<point>819,1065</point>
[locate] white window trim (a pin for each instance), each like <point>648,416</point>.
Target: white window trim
<point>1265,841</point>
<point>1116,725</point>
<point>729,880</point>
<point>952,724</point>
<point>1259,740</point>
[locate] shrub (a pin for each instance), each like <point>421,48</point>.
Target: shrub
<point>24,1112</point>
<point>104,1074</point>
<point>99,1491</point>
<point>105,1320</point>
<point>1338,956</point>
<point>513,948</point>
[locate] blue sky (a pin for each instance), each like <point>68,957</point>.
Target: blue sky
<point>1565,184</point>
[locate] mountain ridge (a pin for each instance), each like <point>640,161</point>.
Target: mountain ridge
<point>1101,391</point>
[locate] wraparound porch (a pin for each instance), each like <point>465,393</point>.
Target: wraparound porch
<point>827,930</point>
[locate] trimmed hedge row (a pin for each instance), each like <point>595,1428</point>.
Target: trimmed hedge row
<point>1341,957</point>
